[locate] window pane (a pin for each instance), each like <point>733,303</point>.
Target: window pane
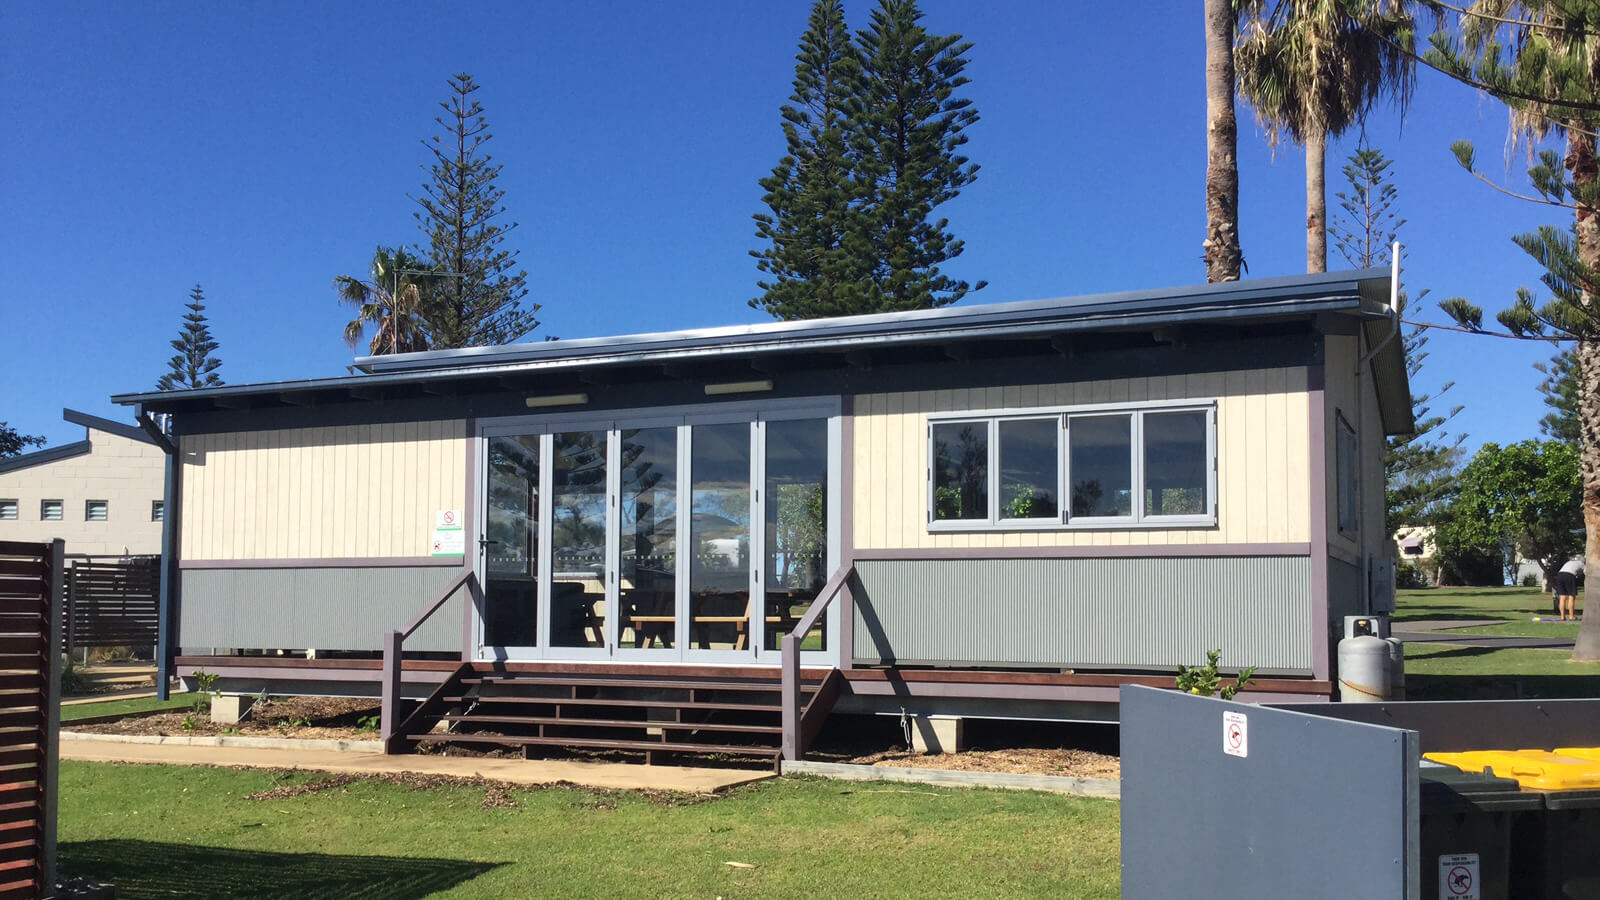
<point>961,470</point>
<point>578,539</point>
<point>1349,481</point>
<point>1175,463</point>
<point>158,510</point>
<point>511,593</point>
<point>94,511</point>
<point>719,523</point>
<point>797,526</point>
<point>1028,458</point>
<point>1101,465</point>
<point>50,510</point>
<point>8,509</point>
<point>649,520</point>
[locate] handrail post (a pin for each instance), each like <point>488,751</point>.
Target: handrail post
<point>790,697</point>
<point>390,708</point>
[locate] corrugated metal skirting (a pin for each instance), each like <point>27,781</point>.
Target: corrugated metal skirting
<point>1156,612</point>
<point>321,609</point>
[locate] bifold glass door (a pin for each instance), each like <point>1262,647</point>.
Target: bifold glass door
<point>691,537</point>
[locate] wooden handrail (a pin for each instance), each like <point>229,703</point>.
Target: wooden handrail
<point>793,726</point>
<point>394,644</point>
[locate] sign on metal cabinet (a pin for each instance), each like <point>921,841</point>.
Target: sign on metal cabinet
<point>448,537</point>
<point>1236,734</point>
<point>1458,877</point>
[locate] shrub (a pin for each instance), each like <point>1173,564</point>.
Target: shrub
<point>1206,681</point>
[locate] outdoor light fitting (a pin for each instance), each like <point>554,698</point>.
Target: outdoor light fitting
<point>538,400</point>
<point>739,387</point>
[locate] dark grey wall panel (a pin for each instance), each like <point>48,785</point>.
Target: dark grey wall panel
<point>322,609</point>
<point>1317,808</point>
<point>1344,592</point>
<point>1086,612</point>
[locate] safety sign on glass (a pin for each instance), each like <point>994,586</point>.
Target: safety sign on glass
<point>1235,734</point>
<point>1458,877</point>
<point>448,537</point>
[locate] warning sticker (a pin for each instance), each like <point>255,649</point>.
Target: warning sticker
<point>1235,734</point>
<point>1458,877</point>
<point>448,538</point>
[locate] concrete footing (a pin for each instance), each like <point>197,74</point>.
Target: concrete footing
<point>230,709</point>
<point>937,734</point>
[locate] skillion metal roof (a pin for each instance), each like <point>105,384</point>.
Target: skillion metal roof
<point>1362,294</point>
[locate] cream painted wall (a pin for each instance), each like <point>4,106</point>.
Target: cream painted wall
<point>368,491</point>
<point>125,473</point>
<point>1263,478</point>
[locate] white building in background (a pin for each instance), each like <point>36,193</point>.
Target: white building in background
<point>102,495</point>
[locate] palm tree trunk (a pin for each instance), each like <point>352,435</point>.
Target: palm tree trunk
<point>1582,165</point>
<point>1222,254</point>
<point>1316,201</point>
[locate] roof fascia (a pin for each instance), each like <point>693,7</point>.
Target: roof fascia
<point>48,455</point>
<point>131,432</point>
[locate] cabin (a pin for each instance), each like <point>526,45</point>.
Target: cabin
<point>718,538</point>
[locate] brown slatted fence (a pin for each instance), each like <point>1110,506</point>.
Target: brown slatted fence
<point>30,575</point>
<point>112,604</point>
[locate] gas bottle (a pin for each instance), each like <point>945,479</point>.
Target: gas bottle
<point>1364,669</point>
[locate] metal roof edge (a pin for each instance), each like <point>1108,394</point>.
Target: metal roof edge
<point>47,455</point>
<point>131,432</point>
<point>1356,282</point>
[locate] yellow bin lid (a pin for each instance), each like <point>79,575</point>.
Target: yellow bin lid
<point>1530,768</point>
<point>1590,753</point>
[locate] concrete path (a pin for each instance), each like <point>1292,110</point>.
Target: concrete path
<point>624,776</point>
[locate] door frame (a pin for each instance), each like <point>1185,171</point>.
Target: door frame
<point>754,412</point>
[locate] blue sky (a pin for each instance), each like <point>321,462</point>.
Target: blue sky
<point>260,150</point>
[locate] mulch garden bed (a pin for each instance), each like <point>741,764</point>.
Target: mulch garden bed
<point>312,718</point>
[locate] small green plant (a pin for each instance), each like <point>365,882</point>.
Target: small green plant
<point>188,723</point>
<point>72,680</point>
<point>297,722</point>
<point>1206,681</point>
<point>1530,580</point>
<point>369,723</point>
<point>205,687</point>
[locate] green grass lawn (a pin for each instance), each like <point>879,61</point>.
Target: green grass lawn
<point>75,711</point>
<point>1511,604</point>
<point>171,832</point>
<point>1443,672</point>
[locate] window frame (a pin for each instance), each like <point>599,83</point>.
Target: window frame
<point>61,510</point>
<point>105,510</point>
<point>13,506</point>
<point>158,510</point>
<point>1064,520</point>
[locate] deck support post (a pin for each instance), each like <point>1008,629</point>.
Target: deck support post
<point>390,708</point>
<point>789,695</point>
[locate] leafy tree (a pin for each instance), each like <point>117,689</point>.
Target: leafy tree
<point>1560,391</point>
<point>1223,257</point>
<point>479,297</point>
<point>1526,496</point>
<point>390,298</point>
<point>13,442</point>
<point>1419,467</point>
<point>193,366</point>
<point>815,253</point>
<point>907,143</point>
<point>1311,69</point>
<point>1537,58</point>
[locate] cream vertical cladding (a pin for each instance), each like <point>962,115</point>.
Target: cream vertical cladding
<point>1275,429</point>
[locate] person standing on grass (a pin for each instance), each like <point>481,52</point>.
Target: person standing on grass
<point>1567,589</point>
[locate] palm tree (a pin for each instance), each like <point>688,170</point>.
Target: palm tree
<point>1222,254</point>
<point>391,298</point>
<point>1313,68</point>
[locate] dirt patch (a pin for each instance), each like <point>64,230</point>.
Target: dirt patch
<point>497,794</point>
<point>1020,761</point>
<point>309,718</point>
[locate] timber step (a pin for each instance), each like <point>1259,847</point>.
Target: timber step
<point>662,724</point>
<point>606,701</point>
<point>665,684</point>
<point>600,744</point>
<point>632,710</point>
